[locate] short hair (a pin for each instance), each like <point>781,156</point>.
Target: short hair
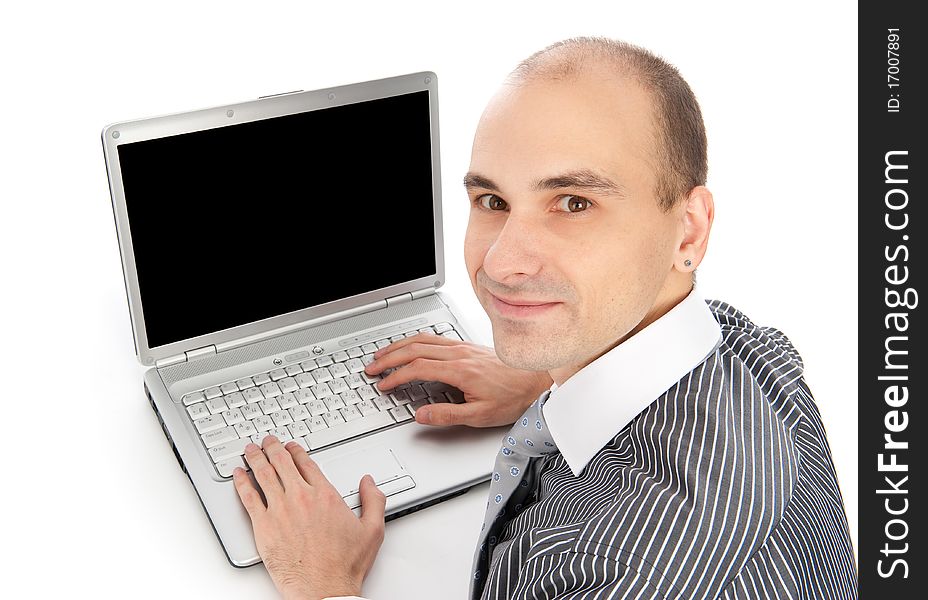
<point>681,146</point>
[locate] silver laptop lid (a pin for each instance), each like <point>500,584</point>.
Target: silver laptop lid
<point>239,222</point>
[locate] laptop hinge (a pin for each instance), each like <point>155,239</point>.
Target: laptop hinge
<point>422,293</point>
<point>394,300</point>
<point>184,357</point>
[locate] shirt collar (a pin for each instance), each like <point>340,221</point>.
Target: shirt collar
<point>598,401</point>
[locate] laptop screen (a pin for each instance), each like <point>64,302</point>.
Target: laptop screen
<point>240,223</point>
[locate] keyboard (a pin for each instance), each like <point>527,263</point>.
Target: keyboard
<point>317,402</point>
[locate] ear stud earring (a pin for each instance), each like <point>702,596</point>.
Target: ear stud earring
<point>687,263</point>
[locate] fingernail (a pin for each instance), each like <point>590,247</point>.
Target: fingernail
<point>424,415</point>
<point>252,447</point>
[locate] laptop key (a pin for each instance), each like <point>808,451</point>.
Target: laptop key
<point>210,423</point>
<point>234,400</point>
<point>321,375</point>
<point>354,365</point>
<point>293,370</point>
<point>271,390</point>
<point>233,416</point>
<point>245,383</point>
<point>382,344</point>
<point>304,396</point>
<point>219,436</point>
<point>317,423</point>
<point>197,411</point>
<point>351,413</point>
<point>304,380</point>
<point>416,405</point>
<point>228,449</point>
<point>355,352</point>
<point>194,398</point>
<point>324,361</point>
<point>399,413</point>
<point>354,381</point>
<point>212,392</point>
<point>366,392</point>
<point>333,418</point>
<point>321,390</point>
<point>277,374</point>
<point>317,408</point>
<point>262,378</point>
<point>253,395</point>
<point>452,335</point>
<point>281,418</point>
<point>367,408</point>
<point>286,401</point>
<point>334,403</point>
<point>308,365</point>
<point>225,467</point>
<point>245,429</point>
<point>268,406</point>
<point>345,430</point>
<point>340,356</point>
<point>338,370</point>
<point>350,397</point>
<point>369,348</point>
<point>216,405</point>
<point>443,327</point>
<point>251,411</point>
<point>383,402</point>
<point>417,393</point>
<point>288,384</point>
<point>263,423</point>
<point>298,429</point>
<point>299,413</point>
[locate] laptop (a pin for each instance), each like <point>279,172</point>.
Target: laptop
<point>269,248</point>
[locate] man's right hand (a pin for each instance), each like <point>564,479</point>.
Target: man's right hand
<point>494,394</point>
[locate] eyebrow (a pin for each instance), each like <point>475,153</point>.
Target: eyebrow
<point>584,179</point>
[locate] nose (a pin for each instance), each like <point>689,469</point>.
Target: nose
<point>516,252</point>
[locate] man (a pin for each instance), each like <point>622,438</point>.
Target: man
<point>678,452</point>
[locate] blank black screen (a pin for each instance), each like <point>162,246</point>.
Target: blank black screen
<point>249,221</point>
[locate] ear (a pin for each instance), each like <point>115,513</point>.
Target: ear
<point>698,211</point>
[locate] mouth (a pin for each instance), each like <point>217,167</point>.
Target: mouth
<point>520,308</point>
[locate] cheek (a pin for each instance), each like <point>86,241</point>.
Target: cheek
<point>476,244</point>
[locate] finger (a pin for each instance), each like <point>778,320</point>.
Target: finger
<point>265,474</point>
<point>422,338</point>
<point>373,503</point>
<point>282,461</point>
<point>470,413</point>
<point>412,351</point>
<point>308,468</point>
<point>249,496</point>
<point>424,369</point>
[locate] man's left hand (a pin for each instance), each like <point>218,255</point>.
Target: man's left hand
<point>312,545</point>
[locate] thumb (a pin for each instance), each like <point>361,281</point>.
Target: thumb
<point>373,503</point>
<point>448,414</point>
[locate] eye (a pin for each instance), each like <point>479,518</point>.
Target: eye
<point>491,202</point>
<point>570,203</point>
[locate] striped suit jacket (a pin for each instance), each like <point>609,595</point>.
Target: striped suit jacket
<point>723,487</point>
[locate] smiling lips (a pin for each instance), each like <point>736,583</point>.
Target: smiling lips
<point>520,308</point>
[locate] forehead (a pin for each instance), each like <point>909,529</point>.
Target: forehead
<point>598,122</point>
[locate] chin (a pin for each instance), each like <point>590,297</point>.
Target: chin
<point>531,353</point>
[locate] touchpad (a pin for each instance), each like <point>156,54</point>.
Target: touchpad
<point>345,472</point>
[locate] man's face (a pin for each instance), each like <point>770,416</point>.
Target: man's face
<point>566,246</point>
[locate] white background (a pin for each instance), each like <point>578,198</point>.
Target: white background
<point>92,499</point>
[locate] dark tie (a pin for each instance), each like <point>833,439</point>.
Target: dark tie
<point>510,485</point>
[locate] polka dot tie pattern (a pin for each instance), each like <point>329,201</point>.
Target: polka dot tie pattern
<point>509,486</point>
